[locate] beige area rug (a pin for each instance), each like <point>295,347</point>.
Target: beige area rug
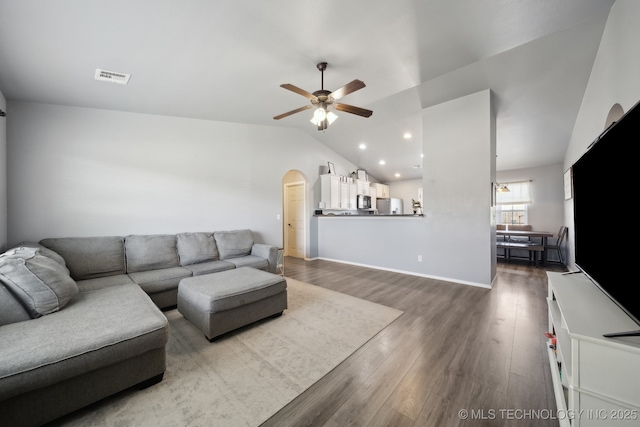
<point>247,376</point>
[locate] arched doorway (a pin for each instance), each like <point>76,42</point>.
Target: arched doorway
<point>294,226</point>
<point>614,115</point>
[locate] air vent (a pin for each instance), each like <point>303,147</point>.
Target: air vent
<point>112,76</point>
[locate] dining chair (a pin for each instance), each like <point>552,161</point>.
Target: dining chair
<point>557,246</point>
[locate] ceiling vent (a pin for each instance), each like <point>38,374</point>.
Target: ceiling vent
<point>112,76</point>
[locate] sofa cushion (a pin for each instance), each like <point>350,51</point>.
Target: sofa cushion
<point>233,244</point>
<point>11,310</point>
<point>154,281</point>
<point>42,285</point>
<point>90,257</point>
<point>103,282</point>
<point>151,252</point>
<point>209,267</point>
<point>96,329</point>
<point>250,261</point>
<point>195,248</point>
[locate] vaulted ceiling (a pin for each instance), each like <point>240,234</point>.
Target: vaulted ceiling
<point>225,60</point>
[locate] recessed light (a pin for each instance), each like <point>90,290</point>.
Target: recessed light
<point>407,135</point>
<point>382,162</point>
<point>397,175</point>
<point>362,146</point>
<point>421,155</point>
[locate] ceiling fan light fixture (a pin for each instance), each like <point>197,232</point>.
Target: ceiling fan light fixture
<point>323,99</point>
<point>320,114</point>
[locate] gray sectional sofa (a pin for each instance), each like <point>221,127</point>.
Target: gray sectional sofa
<point>80,317</point>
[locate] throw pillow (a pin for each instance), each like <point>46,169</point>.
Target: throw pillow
<point>46,252</point>
<point>41,284</point>
<point>11,310</point>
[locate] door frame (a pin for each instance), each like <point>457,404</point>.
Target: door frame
<point>285,217</point>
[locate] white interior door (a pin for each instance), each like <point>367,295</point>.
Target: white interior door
<point>294,225</point>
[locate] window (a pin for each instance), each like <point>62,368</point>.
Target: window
<point>511,214</point>
<point>512,204</point>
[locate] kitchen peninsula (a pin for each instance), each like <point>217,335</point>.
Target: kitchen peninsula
<point>366,215</point>
<point>419,244</point>
<point>349,196</point>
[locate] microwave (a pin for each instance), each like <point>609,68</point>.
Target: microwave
<point>364,202</point>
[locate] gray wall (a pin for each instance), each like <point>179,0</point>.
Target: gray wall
<point>81,172</point>
<point>3,175</point>
<point>456,238</point>
<point>459,167</point>
<point>614,79</point>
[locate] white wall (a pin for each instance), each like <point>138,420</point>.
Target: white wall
<point>614,79</point>
<point>83,172</point>
<point>3,175</point>
<point>456,238</point>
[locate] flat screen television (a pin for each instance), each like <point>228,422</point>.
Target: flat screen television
<point>604,186</point>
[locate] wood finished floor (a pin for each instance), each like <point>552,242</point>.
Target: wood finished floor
<point>456,347</point>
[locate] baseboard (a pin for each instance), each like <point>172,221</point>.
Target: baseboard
<point>493,280</point>
<point>410,273</point>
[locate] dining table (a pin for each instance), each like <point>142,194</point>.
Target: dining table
<point>542,235</point>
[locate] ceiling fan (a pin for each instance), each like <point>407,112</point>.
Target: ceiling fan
<point>324,99</point>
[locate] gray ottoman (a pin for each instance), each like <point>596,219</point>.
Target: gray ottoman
<point>221,302</point>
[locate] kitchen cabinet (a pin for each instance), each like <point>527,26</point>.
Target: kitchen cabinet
<point>330,191</point>
<point>337,194</point>
<point>348,195</point>
<point>373,192</point>
<point>382,190</point>
<point>363,187</point>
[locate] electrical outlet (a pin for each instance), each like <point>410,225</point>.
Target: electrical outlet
<point>419,258</point>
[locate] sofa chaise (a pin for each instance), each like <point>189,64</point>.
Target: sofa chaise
<point>81,319</point>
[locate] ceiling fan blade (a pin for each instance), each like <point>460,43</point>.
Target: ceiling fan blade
<point>353,110</point>
<point>297,110</point>
<point>347,89</point>
<point>299,91</point>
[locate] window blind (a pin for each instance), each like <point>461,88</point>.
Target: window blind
<point>519,193</point>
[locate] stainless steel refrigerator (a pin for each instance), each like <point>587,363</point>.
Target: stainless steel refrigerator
<point>389,206</point>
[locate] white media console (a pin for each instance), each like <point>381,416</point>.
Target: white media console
<point>596,379</point>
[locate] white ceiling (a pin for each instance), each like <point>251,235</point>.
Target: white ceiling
<point>224,60</point>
